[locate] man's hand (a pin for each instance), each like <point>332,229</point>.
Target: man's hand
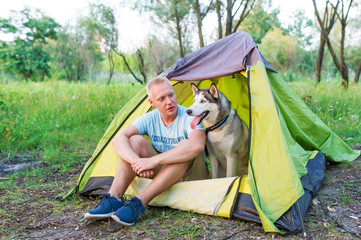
<point>147,174</point>
<point>144,166</point>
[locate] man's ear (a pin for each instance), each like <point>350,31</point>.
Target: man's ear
<point>213,90</point>
<point>151,102</point>
<point>195,89</point>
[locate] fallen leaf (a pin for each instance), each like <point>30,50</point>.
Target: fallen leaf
<point>331,209</point>
<point>315,201</point>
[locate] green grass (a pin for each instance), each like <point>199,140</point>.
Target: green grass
<point>61,122</point>
<point>58,121</point>
<point>338,108</point>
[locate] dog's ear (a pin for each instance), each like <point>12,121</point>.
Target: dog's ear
<point>195,89</point>
<point>213,90</point>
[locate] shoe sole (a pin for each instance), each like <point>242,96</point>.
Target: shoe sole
<point>89,216</point>
<point>115,218</point>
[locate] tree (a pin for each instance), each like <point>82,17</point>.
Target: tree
<point>173,13</point>
<point>355,50</point>
<point>259,21</point>
<point>152,59</point>
<point>353,57</point>
<point>299,23</point>
<point>25,55</point>
<point>102,27</point>
<point>201,12</point>
<point>219,6</point>
<point>280,50</point>
<point>236,11</point>
<point>328,21</point>
<point>358,71</point>
<point>140,65</point>
<point>161,55</point>
<point>342,16</point>
<point>76,53</point>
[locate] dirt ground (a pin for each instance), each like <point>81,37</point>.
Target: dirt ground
<point>334,214</point>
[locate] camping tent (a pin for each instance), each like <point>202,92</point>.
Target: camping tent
<point>288,143</point>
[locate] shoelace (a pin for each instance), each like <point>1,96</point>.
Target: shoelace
<point>105,197</point>
<point>135,206</point>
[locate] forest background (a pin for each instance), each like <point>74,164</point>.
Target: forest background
<point>92,48</point>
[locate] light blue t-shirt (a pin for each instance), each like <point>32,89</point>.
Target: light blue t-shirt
<point>165,138</point>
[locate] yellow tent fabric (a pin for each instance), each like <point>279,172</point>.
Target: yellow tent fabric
<point>274,189</point>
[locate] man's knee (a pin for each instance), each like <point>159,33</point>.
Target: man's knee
<point>139,145</point>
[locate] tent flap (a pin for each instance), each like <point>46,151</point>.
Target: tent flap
<point>225,57</point>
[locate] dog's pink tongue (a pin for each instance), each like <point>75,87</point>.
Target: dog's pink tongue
<point>195,122</point>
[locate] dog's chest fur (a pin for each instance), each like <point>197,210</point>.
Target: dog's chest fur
<point>223,138</point>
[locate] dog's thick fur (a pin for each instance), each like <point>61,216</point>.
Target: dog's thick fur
<point>228,144</point>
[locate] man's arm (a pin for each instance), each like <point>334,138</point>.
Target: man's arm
<point>122,145</point>
<point>185,151</point>
<point>124,150</point>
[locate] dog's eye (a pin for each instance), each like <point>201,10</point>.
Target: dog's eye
<point>203,101</point>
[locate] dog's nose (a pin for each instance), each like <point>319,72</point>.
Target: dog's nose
<point>189,112</point>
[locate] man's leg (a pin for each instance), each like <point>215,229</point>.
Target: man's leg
<point>167,177</point>
<point>124,175</point>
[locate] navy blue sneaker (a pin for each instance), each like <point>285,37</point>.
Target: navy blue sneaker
<point>106,207</point>
<point>130,212</point>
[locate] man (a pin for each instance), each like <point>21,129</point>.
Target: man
<point>175,152</point>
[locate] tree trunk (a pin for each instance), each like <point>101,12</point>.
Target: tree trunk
<point>111,66</point>
<point>321,51</point>
<point>127,65</point>
<point>179,32</point>
<point>357,75</point>
<point>344,69</point>
<point>219,17</point>
<point>199,22</point>
<point>142,65</point>
<point>326,25</point>
<point>229,21</point>
<point>244,13</point>
<point>341,65</point>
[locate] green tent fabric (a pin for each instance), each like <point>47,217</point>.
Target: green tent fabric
<point>284,138</point>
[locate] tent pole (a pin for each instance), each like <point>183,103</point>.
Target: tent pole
<point>250,125</point>
<point>299,212</point>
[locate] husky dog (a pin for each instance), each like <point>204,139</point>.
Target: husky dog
<point>227,134</point>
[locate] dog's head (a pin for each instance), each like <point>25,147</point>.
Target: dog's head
<point>205,104</point>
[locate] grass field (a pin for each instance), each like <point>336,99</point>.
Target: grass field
<point>60,124</point>
<point>339,108</point>
<point>58,120</point>
<point>55,119</point>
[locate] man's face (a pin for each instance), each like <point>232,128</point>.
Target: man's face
<point>164,99</point>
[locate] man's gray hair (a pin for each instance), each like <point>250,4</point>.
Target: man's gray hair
<point>156,81</point>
